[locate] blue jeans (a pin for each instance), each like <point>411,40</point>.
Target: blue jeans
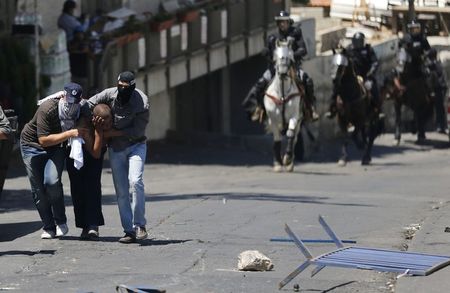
<point>127,169</point>
<point>44,171</point>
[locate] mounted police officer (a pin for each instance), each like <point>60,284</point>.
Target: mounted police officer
<point>365,64</point>
<point>253,103</point>
<point>414,49</point>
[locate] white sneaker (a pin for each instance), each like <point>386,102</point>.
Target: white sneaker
<point>48,235</point>
<point>61,230</point>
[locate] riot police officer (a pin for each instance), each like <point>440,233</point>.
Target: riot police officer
<point>365,64</point>
<point>253,103</point>
<point>414,47</point>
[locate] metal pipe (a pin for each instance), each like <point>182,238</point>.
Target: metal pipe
<point>311,240</point>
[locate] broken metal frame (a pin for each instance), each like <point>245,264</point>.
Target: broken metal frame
<point>405,263</point>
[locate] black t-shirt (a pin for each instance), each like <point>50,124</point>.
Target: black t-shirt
<point>45,122</point>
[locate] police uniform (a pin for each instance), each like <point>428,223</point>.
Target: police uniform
<point>255,97</point>
<point>365,63</point>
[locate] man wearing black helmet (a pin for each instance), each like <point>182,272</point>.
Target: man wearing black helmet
<point>253,103</point>
<point>414,47</point>
<point>127,151</point>
<point>365,63</point>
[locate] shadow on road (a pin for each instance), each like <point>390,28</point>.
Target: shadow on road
<point>27,252</point>
<point>14,200</point>
<point>321,291</point>
<point>146,242</point>
<point>188,154</point>
<point>111,199</point>
<point>11,231</point>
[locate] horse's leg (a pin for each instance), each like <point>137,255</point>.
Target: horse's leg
<point>359,137</point>
<point>277,164</point>
<point>291,134</point>
<point>373,132</point>
<point>420,116</point>
<point>398,121</point>
<point>344,154</point>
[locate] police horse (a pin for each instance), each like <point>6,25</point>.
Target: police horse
<point>412,92</point>
<point>282,101</point>
<point>355,115</point>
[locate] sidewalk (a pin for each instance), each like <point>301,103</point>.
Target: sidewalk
<point>431,239</point>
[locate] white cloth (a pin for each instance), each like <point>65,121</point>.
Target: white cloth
<point>76,152</point>
<point>57,95</point>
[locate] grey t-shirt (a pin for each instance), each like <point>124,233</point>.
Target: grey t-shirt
<point>131,118</point>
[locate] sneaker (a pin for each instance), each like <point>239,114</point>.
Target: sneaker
<point>141,233</point>
<point>128,238</point>
<point>93,233</point>
<point>84,234</point>
<point>315,116</point>
<point>61,230</point>
<point>330,115</point>
<point>47,235</point>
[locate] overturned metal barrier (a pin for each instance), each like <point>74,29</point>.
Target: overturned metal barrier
<point>404,263</point>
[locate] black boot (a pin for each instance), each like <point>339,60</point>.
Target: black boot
<point>310,101</point>
<point>254,103</point>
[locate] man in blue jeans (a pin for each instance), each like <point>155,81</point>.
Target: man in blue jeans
<point>127,151</point>
<point>42,144</point>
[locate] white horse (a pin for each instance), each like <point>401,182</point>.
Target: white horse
<point>282,102</point>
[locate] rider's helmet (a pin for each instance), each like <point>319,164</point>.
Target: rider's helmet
<point>432,54</point>
<point>358,40</point>
<point>414,28</point>
<point>283,20</point>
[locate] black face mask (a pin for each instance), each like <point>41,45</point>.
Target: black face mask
<point>125,93</point>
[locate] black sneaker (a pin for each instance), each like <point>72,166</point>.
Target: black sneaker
<point>128,238</point>
<point>141,233</point>
<point>93,233</point>
<point>84,234</point>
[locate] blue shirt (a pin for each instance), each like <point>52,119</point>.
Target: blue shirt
<point>69,23</point>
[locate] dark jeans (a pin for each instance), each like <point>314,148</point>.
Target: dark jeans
<point>44,169</point>
<point>86,191</point>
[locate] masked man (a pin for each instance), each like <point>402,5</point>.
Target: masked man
<point>127,151</point>
<point>42,143</point>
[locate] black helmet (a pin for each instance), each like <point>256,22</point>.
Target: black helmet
<point>283,15</point>
<point>432,54</point>
<point>414,28</point>
<point>358,40</point>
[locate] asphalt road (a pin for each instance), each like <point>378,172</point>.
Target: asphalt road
<point>206,204</point>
